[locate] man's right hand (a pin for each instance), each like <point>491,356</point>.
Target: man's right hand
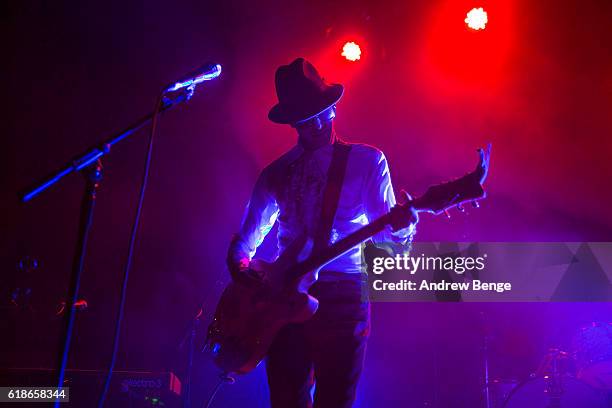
<point>248,271</point>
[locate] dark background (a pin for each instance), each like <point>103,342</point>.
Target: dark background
<point>537,83</point>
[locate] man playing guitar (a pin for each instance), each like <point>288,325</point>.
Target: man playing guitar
<point>325,189</point>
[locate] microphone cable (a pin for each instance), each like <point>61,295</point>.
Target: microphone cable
<point>130,254</point>
<point>223,378</point>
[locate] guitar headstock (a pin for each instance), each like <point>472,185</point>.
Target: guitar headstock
<point>441,197</point>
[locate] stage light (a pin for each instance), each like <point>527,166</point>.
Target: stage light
<point>351,51</point>
<point>476,19</point>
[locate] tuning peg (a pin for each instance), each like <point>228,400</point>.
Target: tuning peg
<point>475,204</point>
<point>447,214</point>
<point>460,208</point>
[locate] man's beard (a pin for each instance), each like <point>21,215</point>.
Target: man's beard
<point>325,136</point>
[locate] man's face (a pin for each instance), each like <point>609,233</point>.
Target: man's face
<point>317,131</point>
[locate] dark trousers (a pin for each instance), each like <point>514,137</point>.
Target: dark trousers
<point>326,352</point>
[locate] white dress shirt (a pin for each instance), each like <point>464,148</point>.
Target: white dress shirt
<point>290,191</point>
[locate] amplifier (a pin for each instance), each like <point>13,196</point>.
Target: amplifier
<point>132,389</point>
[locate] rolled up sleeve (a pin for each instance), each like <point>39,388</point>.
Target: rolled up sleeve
<point>259,217</point>
<point>379,198</point>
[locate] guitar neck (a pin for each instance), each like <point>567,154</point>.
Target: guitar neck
<point>338,248</point>
<point>437,199</point>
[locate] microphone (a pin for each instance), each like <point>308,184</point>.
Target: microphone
<point>204,73</point>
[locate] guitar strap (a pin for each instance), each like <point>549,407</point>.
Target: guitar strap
<point>331,194</point>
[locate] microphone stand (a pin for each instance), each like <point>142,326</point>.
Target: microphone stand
<point>486,356</point>
<point>190,337</point>
<point>89,164</point>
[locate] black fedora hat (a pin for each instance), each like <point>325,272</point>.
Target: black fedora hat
<point>302,93</point>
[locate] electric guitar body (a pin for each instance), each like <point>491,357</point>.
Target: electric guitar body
<point>248,318</point>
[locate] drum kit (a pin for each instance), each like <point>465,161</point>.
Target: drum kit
<point>581,378</point>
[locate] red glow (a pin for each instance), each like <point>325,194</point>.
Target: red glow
<point>459,59</point>
<point>335,66</point>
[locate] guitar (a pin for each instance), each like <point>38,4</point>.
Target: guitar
<point>251,312</point>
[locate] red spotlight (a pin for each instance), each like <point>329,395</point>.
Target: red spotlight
<point>351,51</point>
<point>476,19</point>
